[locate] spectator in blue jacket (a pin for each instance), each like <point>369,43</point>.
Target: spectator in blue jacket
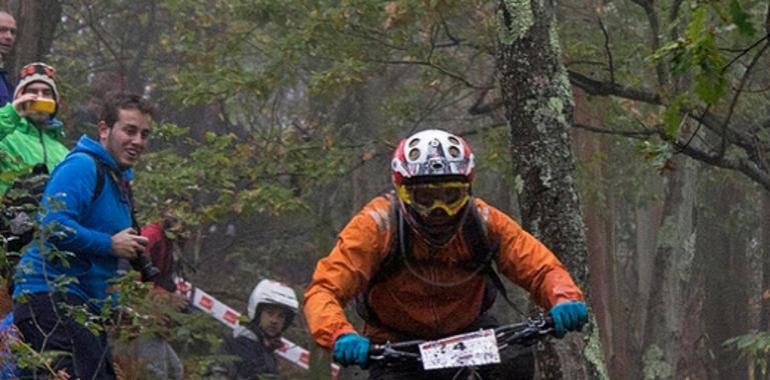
<point>95,225</point>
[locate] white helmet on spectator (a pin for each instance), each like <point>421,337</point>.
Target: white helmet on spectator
<point>273,293</point>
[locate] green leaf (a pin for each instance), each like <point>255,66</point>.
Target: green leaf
<point>697,25</point>
<point>741,19</point>
<point>673,115</point>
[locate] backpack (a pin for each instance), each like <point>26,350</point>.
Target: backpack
<point>21,202</point>
<point>474,232</point>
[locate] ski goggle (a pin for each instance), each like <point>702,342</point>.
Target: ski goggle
<point>448,196</point>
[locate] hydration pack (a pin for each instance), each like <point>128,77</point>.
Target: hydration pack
<point>474,232</point>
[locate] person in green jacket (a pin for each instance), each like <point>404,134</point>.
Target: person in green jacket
<point>27,138</point>
<point>28,134</point>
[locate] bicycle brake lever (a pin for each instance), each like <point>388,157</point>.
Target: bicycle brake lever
<point>391,351</point>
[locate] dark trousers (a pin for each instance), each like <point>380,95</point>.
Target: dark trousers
<point>45,324</point>
<point>516,363</point>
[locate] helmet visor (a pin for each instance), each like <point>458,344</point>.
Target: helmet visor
<point>427,197</point>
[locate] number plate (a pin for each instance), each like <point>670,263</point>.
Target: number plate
<point>475,348</point>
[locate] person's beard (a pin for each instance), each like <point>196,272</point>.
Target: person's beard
<point>39,118</point>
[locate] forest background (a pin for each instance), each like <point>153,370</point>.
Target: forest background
<point>632,136</point>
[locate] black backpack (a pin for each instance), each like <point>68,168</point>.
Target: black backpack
<point>20,203</point>
<point>483,254</point>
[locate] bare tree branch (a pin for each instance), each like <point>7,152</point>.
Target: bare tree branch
<point>99,34</point>
<point>652,19</point>
<point>767,19</point>
<point>710,121</point>
<point>673,14</point>
<point>133,69</point>
<point>455,40</point>
<point>616,132</point>
<point>481,108</point>
<point>747,167</point>
<point>484,128</point>
<point>610,62</point>
<point>738,92</point>
<point>745,51</point>
<point>595,87</point>
<point>428,63</point>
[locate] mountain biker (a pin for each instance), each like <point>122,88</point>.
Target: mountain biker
<point>436,290</point>
<point>271,310</point>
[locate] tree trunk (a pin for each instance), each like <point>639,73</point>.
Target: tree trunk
<point>764,316</point>
<point>673,266</point>
<point>539,105</point>
<point>607,303</point>
<point>36,23</point>
<point>732,284</point>
<point>647,220</point>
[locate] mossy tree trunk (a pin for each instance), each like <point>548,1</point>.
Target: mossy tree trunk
<point>36,23</point>
<point>673,275</point>
<point>539,105</point>
<point>605,211</point>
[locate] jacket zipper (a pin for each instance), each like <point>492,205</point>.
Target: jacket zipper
<point>42,145</point>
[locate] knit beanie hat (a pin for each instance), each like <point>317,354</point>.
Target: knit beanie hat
<point>38,72</point>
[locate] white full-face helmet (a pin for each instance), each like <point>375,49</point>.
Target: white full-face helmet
<point>269,292</point>
<point>432,171</point>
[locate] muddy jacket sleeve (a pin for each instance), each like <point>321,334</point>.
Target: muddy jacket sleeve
<point>345,272</point>
<point>527,262</point>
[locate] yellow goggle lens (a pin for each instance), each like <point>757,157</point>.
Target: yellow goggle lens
<point>449,196</point>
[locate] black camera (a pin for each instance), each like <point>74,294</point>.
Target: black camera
<point>144,266</point>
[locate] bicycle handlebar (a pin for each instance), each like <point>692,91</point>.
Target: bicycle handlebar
<point>523,333</point>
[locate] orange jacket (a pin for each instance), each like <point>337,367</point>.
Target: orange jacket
<point>417,308</point>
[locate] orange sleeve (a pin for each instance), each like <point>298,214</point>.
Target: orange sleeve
<point>527,262</point>
<point>345,272</point>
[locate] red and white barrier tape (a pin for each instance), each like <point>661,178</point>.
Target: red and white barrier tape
<point>228,316</point>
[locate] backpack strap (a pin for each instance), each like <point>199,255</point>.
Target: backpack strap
<point>484,253</point>
<point>388,265</point>
<point>399,243</point>
<point>101,169</point>
<point>474,232</point>
<point>100,172</point>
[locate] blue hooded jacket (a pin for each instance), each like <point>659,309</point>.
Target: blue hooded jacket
<point>6,90</point>
<point>81,227</point>
<point>7,334</point>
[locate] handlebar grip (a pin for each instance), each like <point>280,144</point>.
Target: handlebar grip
<point>376,349</point>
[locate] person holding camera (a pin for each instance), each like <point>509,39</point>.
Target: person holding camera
<point>29,137</point>
<point>64,279</point>
<point>152,354</point>
<point>29,132</point>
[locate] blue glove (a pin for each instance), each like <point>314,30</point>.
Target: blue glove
<point>568,316</point>
<point>351,349</point>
